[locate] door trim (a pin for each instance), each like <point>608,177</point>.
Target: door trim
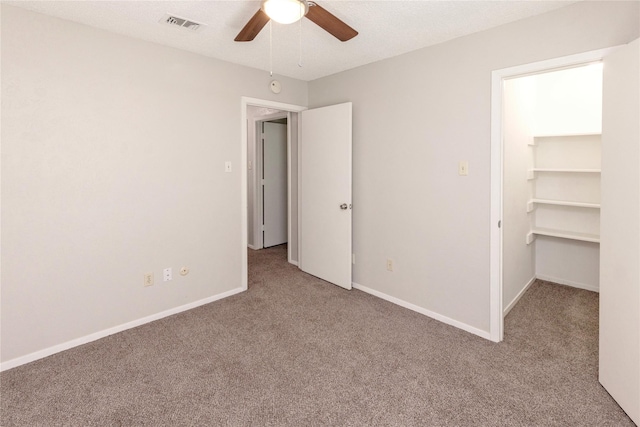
<point>244,237</point>
<point>496,320</point>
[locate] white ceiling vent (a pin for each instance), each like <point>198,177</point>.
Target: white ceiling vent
<point>176,21</point>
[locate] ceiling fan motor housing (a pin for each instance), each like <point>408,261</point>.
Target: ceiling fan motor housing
<point>285,11</point>
<point>300,8</point>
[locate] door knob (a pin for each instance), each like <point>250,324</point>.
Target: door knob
<point>343,206</point>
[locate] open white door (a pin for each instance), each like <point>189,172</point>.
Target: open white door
<point>274,169</point>
<point>325,194</point>
<point>620,230</point>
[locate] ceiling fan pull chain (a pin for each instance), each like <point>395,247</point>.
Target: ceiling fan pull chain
<point>270,49</point>
<point>300,58</point>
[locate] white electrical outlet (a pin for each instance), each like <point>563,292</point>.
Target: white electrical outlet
<point>389,264</point>
<point>148,279</point>
<point>166,274</point>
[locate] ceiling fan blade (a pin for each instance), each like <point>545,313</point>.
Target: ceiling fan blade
<point>327,21</point>
<point>253,27</point>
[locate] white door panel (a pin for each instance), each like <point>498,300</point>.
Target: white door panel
<point>274,167</point>
<point>619,354</point>
<point>325,185</point>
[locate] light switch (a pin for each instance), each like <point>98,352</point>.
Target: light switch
<point>227,166</point>
<point>463,168</point>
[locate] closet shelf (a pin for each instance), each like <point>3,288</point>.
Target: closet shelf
<point>566,162</point>
<point>564,135</point>
<point>565,170</point>
<point>566,203</point>
<point>561,135</point>
<point>585,237</point>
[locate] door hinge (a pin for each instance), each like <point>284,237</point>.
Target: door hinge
<point>500,224</point>
<point>262,227</point>
<point>262,182</point>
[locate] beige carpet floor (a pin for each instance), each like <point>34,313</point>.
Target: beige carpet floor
<point>296,351</point>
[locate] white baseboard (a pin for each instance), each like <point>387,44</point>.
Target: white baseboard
<point>293,262</point>
<point>105,333</point>
<point>517,298</point>
<point>591,288</point>
<point>428,313</point>
<point>255,248</point>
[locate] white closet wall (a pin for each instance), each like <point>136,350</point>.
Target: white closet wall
<point>518,259</point>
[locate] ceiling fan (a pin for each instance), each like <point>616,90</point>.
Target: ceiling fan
<point>289,11</point>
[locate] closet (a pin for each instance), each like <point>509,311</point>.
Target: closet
<point>551,180</point>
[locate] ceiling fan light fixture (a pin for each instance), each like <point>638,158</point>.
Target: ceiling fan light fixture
<point>285,11</point>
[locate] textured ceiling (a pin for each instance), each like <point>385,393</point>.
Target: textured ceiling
<point>387,28</point>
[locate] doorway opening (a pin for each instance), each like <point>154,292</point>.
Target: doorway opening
<point>552,204</point>
<point>552,125</point>
<point>275,200</point>
<point>268,146</point>
<point>253,112</point>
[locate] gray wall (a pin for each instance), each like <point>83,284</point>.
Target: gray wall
<point>415,116</point>
<point>113,154</point>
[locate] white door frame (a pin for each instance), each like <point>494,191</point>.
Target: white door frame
<point>258,242</point>
<point>496,325</point>
<point>244,103</point>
